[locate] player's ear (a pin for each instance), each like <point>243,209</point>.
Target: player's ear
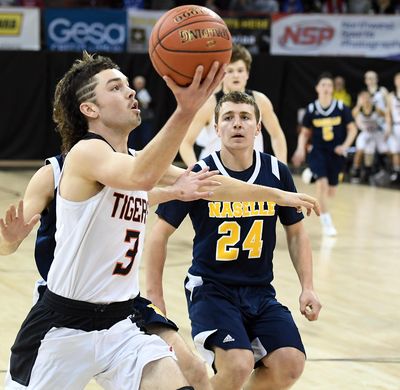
<point>217,129</point>
<point>89,109</point>
<point>258,130</point>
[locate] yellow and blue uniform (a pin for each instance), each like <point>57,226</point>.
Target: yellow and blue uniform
<point>230,297</point>
<point>329,129</point>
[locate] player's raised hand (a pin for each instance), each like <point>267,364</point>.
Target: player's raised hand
<point>195,185</point>
<point>13,227</point>
<point>310,305</point>
<point>300,201</point>
<point>192,97</point>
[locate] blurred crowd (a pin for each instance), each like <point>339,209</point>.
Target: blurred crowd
<point>375,156</point>
<point>289,6</point>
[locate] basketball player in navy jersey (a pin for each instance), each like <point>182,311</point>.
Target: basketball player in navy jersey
<point>102,207</point>
<point>237,74</point>
<point>237,323</point>
<point>331,128</point>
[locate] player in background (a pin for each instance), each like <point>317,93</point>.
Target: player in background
<point>237,74</point>
<point>238,326</point>
<point>371,138</point>
<point>392,131</point>
<point>329,125</point>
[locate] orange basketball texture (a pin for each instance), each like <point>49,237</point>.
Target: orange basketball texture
<point>186,37</point>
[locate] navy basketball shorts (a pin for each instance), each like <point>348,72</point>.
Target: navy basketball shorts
<point>326,163</point>
<point>231,317</point>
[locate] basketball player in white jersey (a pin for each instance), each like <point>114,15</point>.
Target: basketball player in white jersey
<point>378,93</point>
<point>237,74</point>
<point>102,207</point>
<point>393,128</point>
<point>371,138</point>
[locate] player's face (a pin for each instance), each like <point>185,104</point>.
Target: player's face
<point>370,79</point>
<point>325,88</point>
<point>236,76</point>
<point>115,101</point>
<point>237,125</point>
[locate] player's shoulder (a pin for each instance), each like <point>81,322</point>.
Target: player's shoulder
<point>276,167</point>
<point>261,98</point>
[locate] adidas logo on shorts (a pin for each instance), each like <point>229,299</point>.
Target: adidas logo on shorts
<point>228,339</point>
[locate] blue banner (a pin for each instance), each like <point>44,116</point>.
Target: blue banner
<point>85,29</point>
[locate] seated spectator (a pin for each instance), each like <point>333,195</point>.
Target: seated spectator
<point>340,92</point>
<point>292,6</point>
<point>383,7</point>
<point>334,6</point>
<point>359,6</point>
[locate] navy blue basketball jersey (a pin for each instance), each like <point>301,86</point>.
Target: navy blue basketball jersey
<point>45,241</point>
<point>328,125</point>
<point>234,241</point>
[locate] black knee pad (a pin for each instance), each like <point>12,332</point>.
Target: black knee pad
<point>186,388</point>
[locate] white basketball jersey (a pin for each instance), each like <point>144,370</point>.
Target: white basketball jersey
<point>99,246</point>
<point>370,122</point>
<point>395,108</point>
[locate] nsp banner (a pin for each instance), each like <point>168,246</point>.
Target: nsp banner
<point>85,29</point>
<point>336,35</point>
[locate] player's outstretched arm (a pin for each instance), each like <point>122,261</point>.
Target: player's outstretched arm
<point>19,221</point>
<point>186,187</point>
<point>300,252</point>
<point>95,161</point>
<point>155,254</point>
<point>271,123</point>
<point>233,190</point>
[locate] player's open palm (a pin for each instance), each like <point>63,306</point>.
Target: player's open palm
<point>195,185</point>
<point>13,227</point>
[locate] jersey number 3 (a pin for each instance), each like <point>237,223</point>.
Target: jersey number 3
<point>130,253</point>
<point>231,230</point>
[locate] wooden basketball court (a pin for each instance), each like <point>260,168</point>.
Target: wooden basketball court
<point>354,345</point>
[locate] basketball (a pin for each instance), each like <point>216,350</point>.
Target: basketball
<point>186,37</point>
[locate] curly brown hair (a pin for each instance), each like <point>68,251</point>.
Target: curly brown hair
<point>241,53</point>
<point>75,87</point>
<point>238,98</point>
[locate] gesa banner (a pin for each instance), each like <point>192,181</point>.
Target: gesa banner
<point>85,29</point>
<point>19,28</point>
<point>336,35</point>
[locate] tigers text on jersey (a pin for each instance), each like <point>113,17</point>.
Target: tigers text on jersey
<point>234,241</point>
<point>328,125</point>
<point>99,246</point>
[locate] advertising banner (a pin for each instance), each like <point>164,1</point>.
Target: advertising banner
<point>19,28</point>
<point>251,31</point>
<point>336,35</point>
<point>85,29</point>
<point>140,25</point>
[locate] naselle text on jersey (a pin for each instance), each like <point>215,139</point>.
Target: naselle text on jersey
<point>240,209</point>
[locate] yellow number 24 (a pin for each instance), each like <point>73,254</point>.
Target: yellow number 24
<point>231,230</point>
